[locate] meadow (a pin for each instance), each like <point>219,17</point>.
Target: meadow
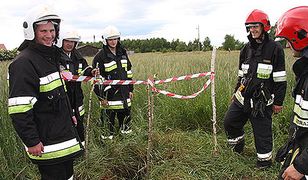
<point>183,145</point>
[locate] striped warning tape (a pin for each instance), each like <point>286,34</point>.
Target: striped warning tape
<point>67,76</point>
<point>173,95</point>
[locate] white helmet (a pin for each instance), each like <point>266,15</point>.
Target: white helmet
<point>70,36</point>
<point>39,14</point>
<point>110,32</point>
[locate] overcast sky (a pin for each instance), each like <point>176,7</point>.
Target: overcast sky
<point>170,19</point>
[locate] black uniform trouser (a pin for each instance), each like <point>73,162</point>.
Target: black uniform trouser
<point>80,127</point>
<point>236,118</point>
<point>60,171</point>
<point>123,115</point>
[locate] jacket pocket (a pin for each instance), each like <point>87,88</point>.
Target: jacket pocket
<point>264,71</point>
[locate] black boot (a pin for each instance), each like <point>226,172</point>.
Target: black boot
<point>239,147</point>
<point>264,164</point>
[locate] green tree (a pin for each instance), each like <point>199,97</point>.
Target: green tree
<point>229,43</point>
<point>207,44</point>
<point>181,47</point>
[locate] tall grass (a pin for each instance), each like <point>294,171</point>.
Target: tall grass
<point>182,139</point>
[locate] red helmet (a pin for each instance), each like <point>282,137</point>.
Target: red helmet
<point>293,26</point>
<point>258,16</point>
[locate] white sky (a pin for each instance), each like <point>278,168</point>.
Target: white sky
<point>170,19</point>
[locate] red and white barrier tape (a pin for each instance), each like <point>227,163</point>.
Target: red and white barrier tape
<point>69,77</point>
<point>167,93</point>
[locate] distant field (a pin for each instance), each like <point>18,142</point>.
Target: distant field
<point>183,143</point>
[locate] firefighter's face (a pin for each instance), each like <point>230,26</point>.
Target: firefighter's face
<point>256,30</point>
<point>68,46</point>
<point>45,33</point>
<point>112,42</point>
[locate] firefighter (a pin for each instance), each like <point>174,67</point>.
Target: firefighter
<point>114,64</point>
<point>73,62</point>
<point>38,104</point>
<point>293,26</point>
<point>260,89</point>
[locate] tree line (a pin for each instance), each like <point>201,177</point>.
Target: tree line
<point>162,45</point>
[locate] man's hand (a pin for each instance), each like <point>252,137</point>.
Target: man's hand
<point>95,72</point>
<point>131,95</point>
<point>104,102</point>
<point>36,150</point>
<point>277,109</point>
<point>74,119</point>
<point>292,174</point>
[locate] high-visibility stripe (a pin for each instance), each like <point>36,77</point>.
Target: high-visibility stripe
<point>81,110</point>
<point>57,154</point>
<point>264,67</point>
<point>111,68</point>
<point>20,109</point>
<point>49,78</point>
<point>50,82</point>
<point>238,95</point>
<point>240,73</point>
<point>130,74</point>
<point>236,140</point>
<point>79,68</point>
<point>245,68</point>
<point>124,63</point>
<point>264,157</point>
<point>58,150</point>
<point>49,87</point>
<point>116,104</point>
<point>280,79</point>
<point>112,63</point>
<point>302,113</point>
<point>301,102</point>
<point>279,76</point>
<point>20,104</point>
<point>300,122</point>
<point>22,100</point>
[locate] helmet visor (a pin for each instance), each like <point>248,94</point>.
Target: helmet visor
<point>45,22</point>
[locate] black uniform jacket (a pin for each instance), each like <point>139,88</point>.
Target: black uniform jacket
<point>77,65</point>
<point>114,67</point>
<point>262,64</point>
<point>300,119</point>
<point>38,104</point>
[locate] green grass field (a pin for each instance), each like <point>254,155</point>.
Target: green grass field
<point>182,138</point>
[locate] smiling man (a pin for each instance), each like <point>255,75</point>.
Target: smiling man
<point>37,100</point>
<point>260,89</point>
